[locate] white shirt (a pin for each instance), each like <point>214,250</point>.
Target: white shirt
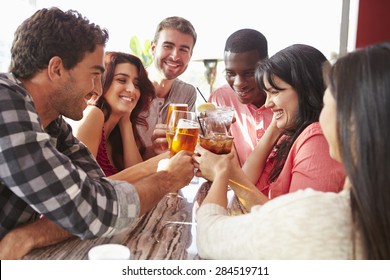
<point>302,225</point>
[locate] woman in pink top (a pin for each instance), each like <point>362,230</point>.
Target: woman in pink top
<point>293,153</point>
<point>111,121</point>
<point>307,224</point>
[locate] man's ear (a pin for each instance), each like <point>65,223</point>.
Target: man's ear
<point>55,68</point>
<point>152,47</point>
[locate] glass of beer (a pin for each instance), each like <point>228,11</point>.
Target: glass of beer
<point>175,116</point>
<point>186,136</point>
<point>176,106</point>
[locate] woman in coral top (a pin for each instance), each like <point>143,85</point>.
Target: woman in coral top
<point>308,224</point>
<point>293,153</point>
<point>111,121</point>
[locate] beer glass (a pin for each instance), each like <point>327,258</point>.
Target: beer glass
<point>176,106</point>
<point>186,136</point>
<point>175,116</point>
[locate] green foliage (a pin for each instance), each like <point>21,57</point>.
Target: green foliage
<point>143,53</point>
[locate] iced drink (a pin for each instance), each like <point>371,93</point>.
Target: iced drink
<point>218,144</point>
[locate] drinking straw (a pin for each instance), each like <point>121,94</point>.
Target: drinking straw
<point>201,94</point>
<point>200,125</point>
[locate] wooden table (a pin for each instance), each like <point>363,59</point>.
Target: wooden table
<point>167,232</point>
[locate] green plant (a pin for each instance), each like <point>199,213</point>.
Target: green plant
<point>143,53</point>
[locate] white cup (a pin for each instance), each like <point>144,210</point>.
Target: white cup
<point>109,252</point>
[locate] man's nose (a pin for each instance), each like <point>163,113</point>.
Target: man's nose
<point>98,87</point>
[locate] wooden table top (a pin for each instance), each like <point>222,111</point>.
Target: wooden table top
<point>167,232</point>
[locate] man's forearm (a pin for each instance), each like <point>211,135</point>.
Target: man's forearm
<point>140,170</point>
<point>20,241</point>
<point>152,189</point>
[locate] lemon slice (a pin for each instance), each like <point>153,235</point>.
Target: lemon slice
<point>206,107</point>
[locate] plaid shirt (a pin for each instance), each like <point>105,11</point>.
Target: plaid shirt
<point>48,171</point>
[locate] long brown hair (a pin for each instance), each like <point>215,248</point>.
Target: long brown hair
<point>112,59</point>
<point>360,83</point>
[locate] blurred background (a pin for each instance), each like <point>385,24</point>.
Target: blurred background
<point>332,26</point>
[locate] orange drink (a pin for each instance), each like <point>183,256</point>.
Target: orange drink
<point>186,136</point>
<point>175,116</point>
<point>218,144</point>
<point>169,134</point>
<point>176,106</point>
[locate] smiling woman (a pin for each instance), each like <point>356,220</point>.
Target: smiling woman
<point>293,82</point>
<point>108,126</point>
<point>292,154</point>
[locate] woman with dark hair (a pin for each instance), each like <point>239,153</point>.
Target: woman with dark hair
<point>351,224</point>
<point>358,136</point>
<point>293,153</point>
<point>108,128</point>
<point>296,150</point>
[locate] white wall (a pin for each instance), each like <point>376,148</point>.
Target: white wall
<point>283,22</point>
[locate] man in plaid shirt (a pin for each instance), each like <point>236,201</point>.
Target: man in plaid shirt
<point>56,66</point>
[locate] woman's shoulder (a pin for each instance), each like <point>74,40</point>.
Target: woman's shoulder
<point>312,132</point>
<point>92,109</point>
<point>307,200</point>
<point>93,117</point>
<point>93,114</point>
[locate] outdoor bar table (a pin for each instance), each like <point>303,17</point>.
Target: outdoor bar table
<point>166,232</point>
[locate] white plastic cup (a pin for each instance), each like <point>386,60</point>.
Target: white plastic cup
<point>109,252</point>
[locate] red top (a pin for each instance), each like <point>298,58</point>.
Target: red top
<point>103,160</point>
<point>308,165</point>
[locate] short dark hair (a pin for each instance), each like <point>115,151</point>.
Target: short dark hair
<point>176,23</point>
<point>52,32</point>
<point>245,40</point>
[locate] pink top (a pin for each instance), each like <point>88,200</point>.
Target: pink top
<point>250,124</point>
<point>102,158</point>
<point>308,165</point>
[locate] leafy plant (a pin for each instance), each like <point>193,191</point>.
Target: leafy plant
<point>142,52</point>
